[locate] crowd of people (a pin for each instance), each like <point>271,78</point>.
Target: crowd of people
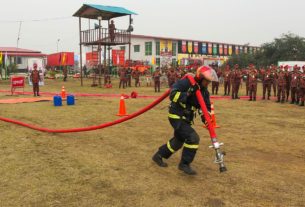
<point>286,84</point>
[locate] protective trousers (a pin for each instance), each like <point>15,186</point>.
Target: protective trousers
<point>184,135</point>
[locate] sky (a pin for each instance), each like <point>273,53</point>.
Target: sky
<point>228,21</point>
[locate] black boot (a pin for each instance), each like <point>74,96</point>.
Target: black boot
<point>297,102</point>
<point>263,98</point>
<point>186,169</point>
<point>157,158</point>
<point>283,101</point>
<point>302,103</point>
<point>254,99</point>
<point>292,102</point>
<point>278,101</point>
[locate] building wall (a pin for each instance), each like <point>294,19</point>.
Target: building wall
<point>141,55</point>
<point>24,62</point>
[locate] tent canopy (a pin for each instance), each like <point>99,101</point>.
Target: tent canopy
<point>93,11</point>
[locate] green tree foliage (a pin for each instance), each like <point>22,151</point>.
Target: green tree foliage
<point>289,47</point>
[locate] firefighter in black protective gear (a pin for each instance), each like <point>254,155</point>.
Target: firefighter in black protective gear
<point>182,109</point>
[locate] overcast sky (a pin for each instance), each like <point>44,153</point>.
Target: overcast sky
<point>229,21</point>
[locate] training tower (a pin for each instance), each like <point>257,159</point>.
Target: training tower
<point>99,36</point>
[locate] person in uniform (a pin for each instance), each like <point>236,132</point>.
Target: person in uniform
<point>232,79</point>
<point>246,76</point>
<point>236,83</point>
<point>122,75</point>
<point>136,76</point>
<point>183,105</point>
<point>148,78</point>
<point>281,86</point>
<point>302,87</point>
<point>112,31</point>
<point>35,78</point>
<point>215,84</point>
<point>65,73</point>
<point>156,77</point>
<point>128,74</point>
<point>288,79</point>
<point>274,78</point>
<point>295,76</point>
<point>227,80</point>
<point>267,82</point>
<point>171,76</point>
<point>253,76</point>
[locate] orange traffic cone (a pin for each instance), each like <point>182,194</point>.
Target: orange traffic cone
<point>63,92</point>
<point>122,109</point>
<point>213,118</point>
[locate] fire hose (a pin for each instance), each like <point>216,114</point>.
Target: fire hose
<point>90,128</point>
<point>215,144</point>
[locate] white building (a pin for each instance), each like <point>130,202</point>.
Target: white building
<point>22,57</point>
<point>165,51</point>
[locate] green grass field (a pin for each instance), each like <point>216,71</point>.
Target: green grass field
<point>264,142</point>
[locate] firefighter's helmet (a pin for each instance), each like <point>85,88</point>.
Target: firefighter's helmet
<point>207,73</point>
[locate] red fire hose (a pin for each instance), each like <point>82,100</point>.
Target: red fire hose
<point>215,143</point>
<point>90,128</point>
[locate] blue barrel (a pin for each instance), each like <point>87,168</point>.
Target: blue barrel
<point>57,101</point>
<point>70,100</point>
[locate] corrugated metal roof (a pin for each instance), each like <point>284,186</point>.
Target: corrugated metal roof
<point>93,11</point>
<point>113,9</point>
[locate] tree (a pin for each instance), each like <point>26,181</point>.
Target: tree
<point>289,47</point>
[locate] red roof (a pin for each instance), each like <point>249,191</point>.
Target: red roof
<point>14,49</point>
<point>26,54</point>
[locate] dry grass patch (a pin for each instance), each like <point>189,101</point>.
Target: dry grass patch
<point>112,167</point>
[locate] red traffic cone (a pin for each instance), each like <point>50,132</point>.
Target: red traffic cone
<point>63,92</point>
<point>122,108</point>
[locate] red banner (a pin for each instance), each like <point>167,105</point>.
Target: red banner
<point>17,82</point>
<point>92,58</point>
<point>118,57</point>
<point>61,59</point>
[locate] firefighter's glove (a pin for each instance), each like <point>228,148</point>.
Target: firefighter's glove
<point>192,90</point>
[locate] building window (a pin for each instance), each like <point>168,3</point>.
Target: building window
<point>122,48</point>
<point>136,48</point>
<point>158,61</point>
<point>148,48</point>
<point>19,60</point>
<point>174,49</point>
<point>157,48</point>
